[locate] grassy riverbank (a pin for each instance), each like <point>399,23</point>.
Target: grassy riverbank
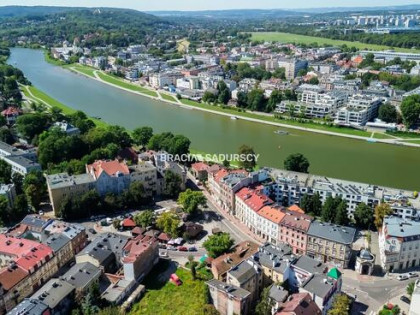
<point>126,85</point>
<point>311,125</point>
<point>80,68</point>
<point>303,39</point>
<point>36,95</point>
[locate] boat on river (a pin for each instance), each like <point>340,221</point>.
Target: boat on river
<point>281,132</point>
<point>233,118</point>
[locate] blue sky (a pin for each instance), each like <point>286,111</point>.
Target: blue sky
<point>147,5</point>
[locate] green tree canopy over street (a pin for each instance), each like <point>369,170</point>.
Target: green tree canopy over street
<point>191,200</point>
<point>218,244</point>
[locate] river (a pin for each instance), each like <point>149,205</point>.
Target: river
<point>381,164</point>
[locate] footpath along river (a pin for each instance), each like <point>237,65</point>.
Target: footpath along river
<point>375,163</point>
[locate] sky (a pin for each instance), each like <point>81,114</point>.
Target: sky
<point>189,5</point>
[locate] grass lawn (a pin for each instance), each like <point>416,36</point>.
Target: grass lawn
<point>168,97</point>
<point>303,39</point>
<point>163,297</point>
<point>413,141</point>
<point>379,135</point>
<point>83,69</point>
<point>312,125</point>
<point>120,82</point>
<point>404,135</point>
<point>53,102</point>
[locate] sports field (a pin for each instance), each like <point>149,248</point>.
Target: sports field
<point>303,39</point>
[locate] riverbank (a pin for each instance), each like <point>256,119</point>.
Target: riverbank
<point>245,115</point>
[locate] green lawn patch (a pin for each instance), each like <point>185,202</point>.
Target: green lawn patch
<point>38,94</point>
<point>413,141</point>
<point>83,69</point>
<point>120,82</point>
<point>404,134</point>
<point>303,39</point>
<point>379,135</point>
<point>163,297</point>
<point>168,97</point>
<point>306,124</point>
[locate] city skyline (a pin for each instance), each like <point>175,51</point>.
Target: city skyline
<point>188,5</point>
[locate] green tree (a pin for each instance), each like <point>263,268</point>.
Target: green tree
<point>144,218</point>
<point>34,187</point>
<point>363,215</point>
<point>410,288</point>
<point>20,207</point>
<point>172,184</point>
<point>209,97</point>
<point>142,135</point>
<point>4,210</point>
<point>316,204</point>
<point>5,172</point>
<point>136,194</point>
<point>6,135</point>
<point>190,200</point>
<point>17,180</point>
<point>328,210</point>
<point>341,305</point>
<point>31,125</point>
<point>265,304</point>
<point>381,211</point>
<point>297,163</point>
<point>388,113</point>
<point>256,100</point>
<point>275,98</point>
<point>169,222</point>
<point>247,157</point>
<point>410,109</point>
<point>313,81</point>
<point>218,244</point>
<point>341,215</point>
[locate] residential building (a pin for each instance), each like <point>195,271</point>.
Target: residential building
<point>399,242</point>
<point>222,264</point>
<point>61,246</point>
<point>118,291</point>
<point>292,67</point>
<point>330,243</point>
<point>82,276</point>
<point>299,303</point>
<point>358,111</point>
<point>105,251</point>
<point>30,307</point>
<point>268,222</point>
<point>278,296</point>
<point>140,254</point>
<point>293,230</point>
<point>229,299</point>
<point>11,114</point>
<point>247,275</point>
<point>415,300</point>
<point>66,127</point>
<point>9,192</point>
<point>58,295</point>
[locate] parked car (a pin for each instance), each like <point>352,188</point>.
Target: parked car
<point>170,247</point>
<point>182,249</point>
<point>413,274</point>
<point>163,254</point>
<point>192,249</point>
<point>405,299</point>
<point>91,230</point>
<point>163,246</point>
<point>402,277</point>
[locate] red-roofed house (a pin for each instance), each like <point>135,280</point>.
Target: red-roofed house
<point>299,303</point>
<point>25,257</point>
<point>139,256</point>
<point>268,223</point>
<point>296,208</point>
<point>199,170</point>
<point>248,203</point>
<point>11,114</point>
<point>293,230</point>
<point>12,279</point>
<point>128,223</point>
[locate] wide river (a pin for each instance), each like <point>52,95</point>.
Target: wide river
<point>382,164</point>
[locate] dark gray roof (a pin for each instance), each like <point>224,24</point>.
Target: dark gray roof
<point>318,285</point>
<point>53,292</point>
<point>244,271</point>
<point>57,241</point>
<point>332,232</point>
<point>81,275</point>
<point>35,221</point>
<point>278,293</point>
<point>29,307</point>
<point>310,265</point>
<point>104,246</point>
<point>276,257</point>
<point>22,161</point>
<point>229,289</point>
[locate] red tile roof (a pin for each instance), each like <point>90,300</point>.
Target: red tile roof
<point>200,166</point>
<point>220,174</point>
<point>11,276</point>
<point>299,303</point>
<point>15,247</point>
<point>34,257</point>
<point>109,167</point>
<point>296,209</point>
<point>137,246</point>
<point>11,111</point>
<point>296,220</point>
<point>128,222</point>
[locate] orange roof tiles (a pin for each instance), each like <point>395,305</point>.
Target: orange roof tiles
<point>109,167</point>
<point>296,208</point>
<point>200,166</point>
<point>16,247</point>
<point>296,220</point>
<point>275,215</point>
<point>36,255</point>
<point>9,277</point>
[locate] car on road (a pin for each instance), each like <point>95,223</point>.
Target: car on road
<point>182,249</point>
<point>163,246</point>
<point>413,274</point>
<point>91,230</point>
<point>402,277</point>
<point>405,299</point>
<point>170,247</point>
<point>192,249</point>
<point>163,254</point>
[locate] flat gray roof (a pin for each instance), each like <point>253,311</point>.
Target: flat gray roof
<point>29,307</point>
<point>332,232</point>
<point>80,275</point>
<point>53,292</point>
<point>319,285</point>
<point>229,289</point>
<point>398,227</point>
<point>62,180</point>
